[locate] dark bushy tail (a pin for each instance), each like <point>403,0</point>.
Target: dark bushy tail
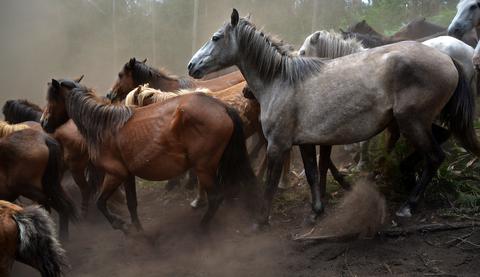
<point>52,181</point>
<point>235,167</point>
<point>459,113</point>
<point>38,245</point>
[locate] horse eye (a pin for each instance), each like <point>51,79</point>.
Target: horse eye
<point>473,7</point>
<point>120,75</point>
<point>215,38</point>
<point>302,53</point>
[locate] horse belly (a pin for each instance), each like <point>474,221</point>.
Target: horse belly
<point>161,168</point>
<point>343,113</point>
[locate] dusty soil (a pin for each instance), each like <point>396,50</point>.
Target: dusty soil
<point>175,245</point>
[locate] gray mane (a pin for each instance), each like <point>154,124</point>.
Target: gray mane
<point>95,120</point>
<point>271,56</point>
<point>332,45</point>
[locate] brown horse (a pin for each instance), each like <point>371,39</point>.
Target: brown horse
<point>31,166</point>
<point>418,29</point>
<point>135,73</point>
<point>18,111</point>
<point>156,142</point>
<point>28,236</point>
<point>75,155</point>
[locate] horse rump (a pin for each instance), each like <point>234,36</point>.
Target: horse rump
<point>38,245</point>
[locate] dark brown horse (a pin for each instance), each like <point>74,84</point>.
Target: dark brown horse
<point>74,149</point>
<point>18,111</point>
<point>418,29</point>
<point>135,73</point>
<point>31,165</point>
<point>156,142</point>
<point>28,236</point>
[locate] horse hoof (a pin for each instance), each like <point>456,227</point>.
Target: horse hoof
<point>404,212</point>
<point>197,203</point>
<point>310,220</point>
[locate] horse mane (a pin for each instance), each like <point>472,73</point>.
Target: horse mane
<point>271,57</point>
<point>95,118</point>
<point>138,96</point>
<point>332,45</point>
<point>7,129</point>
<point>369,29</point>
<point>16,111</point>
<point>143,73</point>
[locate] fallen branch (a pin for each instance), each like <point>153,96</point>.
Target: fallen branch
<point>425,228</point>
<point>395,231</point>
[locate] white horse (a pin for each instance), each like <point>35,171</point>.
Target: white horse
<point>466,19</point>
<point>331,45</point>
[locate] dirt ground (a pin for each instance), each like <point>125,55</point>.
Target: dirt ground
<point>175,245</point>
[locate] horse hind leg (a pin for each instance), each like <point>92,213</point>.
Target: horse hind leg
<point>208,183</point>
<point>423,140</point>
<point>79,178</point>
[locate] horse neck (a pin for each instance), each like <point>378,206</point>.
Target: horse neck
<point>168,83</point>
<point>97,122</point>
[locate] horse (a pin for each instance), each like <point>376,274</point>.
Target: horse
<point>135,73</point>
<point>155,143</point>
<point>467,19</point>
<point>28,236</point>
<point>407,84</point>
<point>31,166</point>
<point>331,45</point>
<point>18,111</point>
<point>74,150</point>
<point>418,29</point>
<point>247,109</point>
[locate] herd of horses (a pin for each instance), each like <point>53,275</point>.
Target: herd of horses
<point>334,90</point>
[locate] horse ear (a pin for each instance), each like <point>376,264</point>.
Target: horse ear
<point>55,84</point>
<point>145,60</point>
<point>364,21</point>
<point>314,37</point>
<point>234,18</point>
<point>79,79</point>
<point>248,17</point>
<point>132,62</point>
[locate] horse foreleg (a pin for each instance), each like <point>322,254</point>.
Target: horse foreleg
<point>110,184</point>
<point>309,158</point>
<point>275,159</point>
<point>131,196</point>
<point>284,181</point>
<point>78,175</point>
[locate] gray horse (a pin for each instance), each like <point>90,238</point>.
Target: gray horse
<point>466,19</point>
<point>323,44</point>
<point>307,102</point>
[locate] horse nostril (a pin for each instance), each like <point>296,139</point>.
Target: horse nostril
<point>190,65</point>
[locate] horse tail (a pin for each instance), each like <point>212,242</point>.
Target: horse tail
<point>38,245</point>
<point>95,177</point>
<point>51,181</point>
<point>459,113</point>
<point>235,167</point>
